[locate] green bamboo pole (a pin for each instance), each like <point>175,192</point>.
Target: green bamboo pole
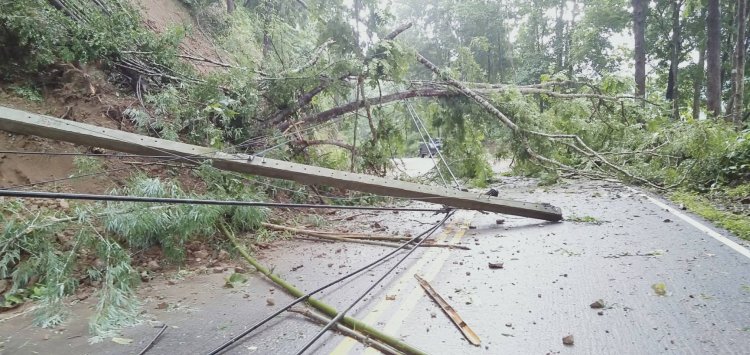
<point>319,305</point>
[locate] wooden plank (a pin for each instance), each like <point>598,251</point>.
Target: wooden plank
<point>22,122</point>
<point>469,334</point>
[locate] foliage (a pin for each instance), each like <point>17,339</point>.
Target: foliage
<point>34,34</point>
<point>46,265</point>
<point>735,223</point>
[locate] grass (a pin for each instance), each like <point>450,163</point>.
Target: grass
<point>737,224</point>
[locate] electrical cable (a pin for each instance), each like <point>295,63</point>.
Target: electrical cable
<point>374,284</point>
<point>429,151</point>
<point>116,198</point>
<point>411,108</point>
<point>257,325</point>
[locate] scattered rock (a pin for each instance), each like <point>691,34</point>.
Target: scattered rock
<point>598,304</point>
<point>509,325</point>
<point>153,265</point>
<point>330,264</point>
<point>682,207</point>
<point>162,305</point>
<point>472,227</point>
<point>601,313</point>
<point>468,273</point>
<point>390,297</point>
<point>667,220</point>
<point>495,265</point>
<point>239,270</point>
<point>200,254</point>
<point>218,270</point>
<point>499,221</point>
<point>568,340</point>
<point>270,301</point>
<point>223,255</point>
<point>145,277</point>
<point>171,282</point>
<point>376,225</point>
<point>433,315</point>
<point>297,267</point>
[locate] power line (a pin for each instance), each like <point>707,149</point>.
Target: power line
<point>116,198</point>
<point>374,284</point>
<point>257,325</point>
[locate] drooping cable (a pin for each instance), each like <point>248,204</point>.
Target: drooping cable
<point>341,314</point>
<point>257,325</point>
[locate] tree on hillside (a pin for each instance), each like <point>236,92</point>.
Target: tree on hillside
<point>738,70</point>
<point>640,7</point>
<point>713,58</point>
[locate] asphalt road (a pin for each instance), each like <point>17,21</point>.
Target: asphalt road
<point>617,245</point>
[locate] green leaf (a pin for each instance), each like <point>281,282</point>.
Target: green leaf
<point>234,280</point>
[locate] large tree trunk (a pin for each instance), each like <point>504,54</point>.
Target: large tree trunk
<point>713,58</point>
<point>672,81</point>
<point>639,29</point>
<point>738,73</point>
<point>698,80</point>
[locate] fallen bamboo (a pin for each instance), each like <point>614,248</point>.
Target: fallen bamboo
<point>319,305</point>
<point>449,311</point>
<point>380,241</point>
<point>365,340</point>
<point>327,236</point>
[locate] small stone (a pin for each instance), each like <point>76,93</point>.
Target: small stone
<point>499,221</point>
<point>539,295</point>
<point>667,220</point>
<point>472,227</point>
<point>508,325</point>
<point>330,264</point>
<point>568,340</point>
<point>239,270</point>
<point>682,207</point>
<point>223,255</point>
<point>433,315</point>
<point>270,301</point>
<point>497,265</point>
<point>4,285</point>
<point>153,265</point>
<point>601,313</point>
<point>468,273</point>
<point>200,254</point>
<point>218,270</point>
<point>64,204</point>
<point>145,277</point>
<point>46,337</point>
<point>390,297</point>
<point>162,305</point>
<point>598,304</point>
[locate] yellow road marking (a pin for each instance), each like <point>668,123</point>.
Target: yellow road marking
<point>436,258</point>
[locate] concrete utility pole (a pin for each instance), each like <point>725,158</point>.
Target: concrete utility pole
<point>22,122</point>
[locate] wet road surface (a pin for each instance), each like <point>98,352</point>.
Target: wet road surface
<point>616,245</point>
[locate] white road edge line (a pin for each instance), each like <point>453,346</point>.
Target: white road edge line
<point>700,226</point>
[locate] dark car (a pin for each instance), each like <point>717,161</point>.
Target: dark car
<point>431,148</point>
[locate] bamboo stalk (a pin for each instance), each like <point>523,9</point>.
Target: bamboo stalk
<point>327,236</point>
<point>319,305</point>
<point>365,340</point>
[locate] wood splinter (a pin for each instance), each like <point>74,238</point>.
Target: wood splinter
<point>449,311</point>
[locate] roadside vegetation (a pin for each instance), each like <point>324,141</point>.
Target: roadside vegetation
<point>552,92</point>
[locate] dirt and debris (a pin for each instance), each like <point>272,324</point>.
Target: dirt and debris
<point>497,265</point>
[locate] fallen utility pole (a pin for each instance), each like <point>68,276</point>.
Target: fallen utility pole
<point>22,122</point>
<point>469,334</point>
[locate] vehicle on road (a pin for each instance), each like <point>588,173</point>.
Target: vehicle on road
<point>431,148</point>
